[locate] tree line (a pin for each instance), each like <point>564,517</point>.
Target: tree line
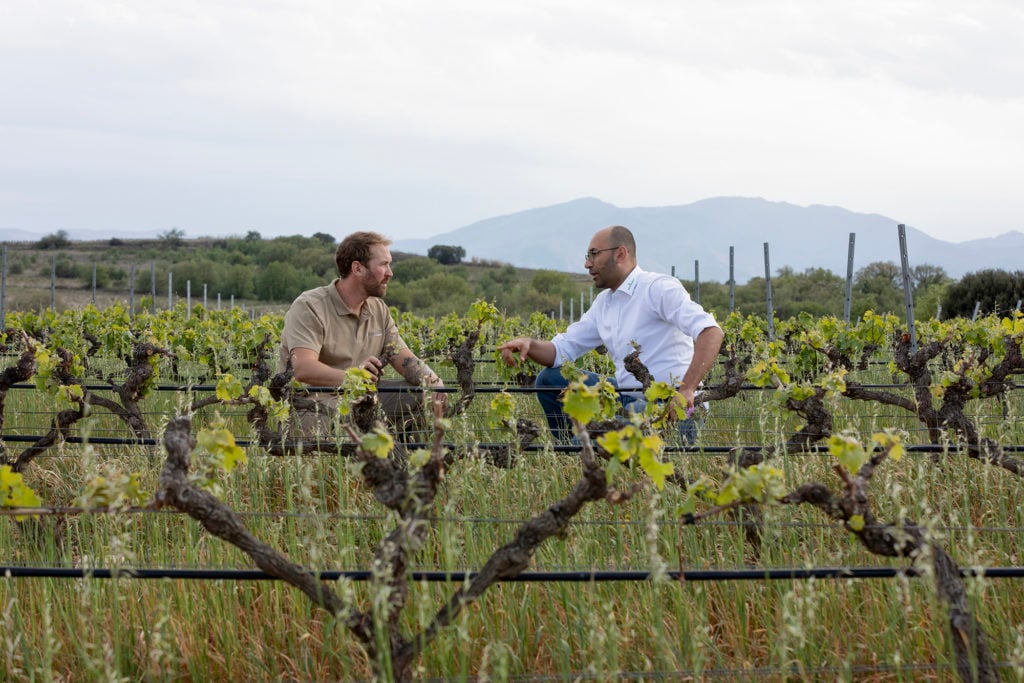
<point>276,270</point>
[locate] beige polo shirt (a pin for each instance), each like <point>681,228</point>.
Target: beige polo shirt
<point>319,320</point>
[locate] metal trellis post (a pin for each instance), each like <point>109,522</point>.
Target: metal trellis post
<point>768,293</point>
<point>908,293</point>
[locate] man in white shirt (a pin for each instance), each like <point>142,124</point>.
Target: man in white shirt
<point>678,339</point>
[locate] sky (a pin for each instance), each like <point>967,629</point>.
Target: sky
<point>416,118</point>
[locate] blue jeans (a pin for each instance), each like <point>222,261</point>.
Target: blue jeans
<point>551,381</point>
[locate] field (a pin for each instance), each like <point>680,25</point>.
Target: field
<point>642,587</point>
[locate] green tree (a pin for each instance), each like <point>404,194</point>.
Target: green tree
<point>237,280</point>
<point>106,275</point>
<point>446,255</point>
<point>174,237</point>
<point>435,295</point>
<point>878,287</point>
<point>279,282</point>
<point>997,291</point>
<point>930,285</point>
<point>817,291</point>
<point>409,270</point>
<point>927,275</point>
<point>65,267</point>
<point>555,284</point>
<point>56,240</point>
<point>194,273</point>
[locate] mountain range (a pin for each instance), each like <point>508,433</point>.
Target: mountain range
<point>694,240</point>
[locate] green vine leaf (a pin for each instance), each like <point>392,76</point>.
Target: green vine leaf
<point>502,410</point>
<point>229,387</point>
<point>585,403</point>
<point>115,491</point>
<point>760,483</point>
<point>848,450</point>
<point>14,493</point>
<point>357,383</point>
<point>631,444</point>
<point>219,442</point>
<point>378,442</point>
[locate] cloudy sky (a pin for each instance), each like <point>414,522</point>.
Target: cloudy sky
<point>415,118</point>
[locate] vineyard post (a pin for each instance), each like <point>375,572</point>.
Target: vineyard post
<point>977,308</point>
<point>188,299</point>
<point>53,282</point>
<point>152,287</point>
<point>768,293</point>
<point>232,302</point>
<point>94,283</point>
<point>1016,309</point>
<point>849,278</point>
<point>732,279</point>
<point>218,301</point>
<point>131,290</point>
<point>581,302</point>
<point>3,287</point>
<point>204,296</point>
<point>561,313</point>
<point>696,280</point>
<point>908,294</point>
<point>170,290</point>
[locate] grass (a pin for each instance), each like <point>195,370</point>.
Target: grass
<point>317,511</point>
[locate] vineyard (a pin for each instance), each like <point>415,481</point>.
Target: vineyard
<point>849,511</point>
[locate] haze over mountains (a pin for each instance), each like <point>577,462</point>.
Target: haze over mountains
<point>557,236</point>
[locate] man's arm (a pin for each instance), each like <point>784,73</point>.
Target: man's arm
<point>414,370</point>
<point>537,350</point>
<point>308,369</point>
<point>705,350</point>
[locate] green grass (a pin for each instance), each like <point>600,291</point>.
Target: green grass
<point>316,510</point>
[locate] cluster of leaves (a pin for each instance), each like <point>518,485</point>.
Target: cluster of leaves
<point>809,360</point>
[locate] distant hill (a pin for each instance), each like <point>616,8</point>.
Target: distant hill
<point>555,237</point>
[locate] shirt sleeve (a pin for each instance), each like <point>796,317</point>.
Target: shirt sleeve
<point>674,304</point>
<point>303,328</point>
<point>392,339</point>
<point>578,338</point>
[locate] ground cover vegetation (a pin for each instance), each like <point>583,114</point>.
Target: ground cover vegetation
<point>266,274</point>
<point>139,441</point>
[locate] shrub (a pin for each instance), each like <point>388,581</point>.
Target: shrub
<point>56,240</point>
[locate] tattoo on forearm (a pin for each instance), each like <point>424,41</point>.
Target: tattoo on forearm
<point>388,353</point>
<point>416,371</point>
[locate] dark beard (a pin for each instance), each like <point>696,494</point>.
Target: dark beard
<point>377,289</point>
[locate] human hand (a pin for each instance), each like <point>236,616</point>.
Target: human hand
<point>682,404</point>
<point>515,351</point>
<point>439,403</point>
<point>374,366</point>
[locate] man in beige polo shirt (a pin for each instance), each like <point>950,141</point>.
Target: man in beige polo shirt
<point>346,324</point>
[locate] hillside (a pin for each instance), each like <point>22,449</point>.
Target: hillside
<point>675,237</point>
<point>258,274</point>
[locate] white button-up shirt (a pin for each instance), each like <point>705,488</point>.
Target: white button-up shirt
<point>651,309</point>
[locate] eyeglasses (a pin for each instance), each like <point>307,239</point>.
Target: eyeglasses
<point>592,254</point>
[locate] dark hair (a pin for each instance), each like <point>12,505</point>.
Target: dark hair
<point>620,236</point>
<point>356,247</point>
